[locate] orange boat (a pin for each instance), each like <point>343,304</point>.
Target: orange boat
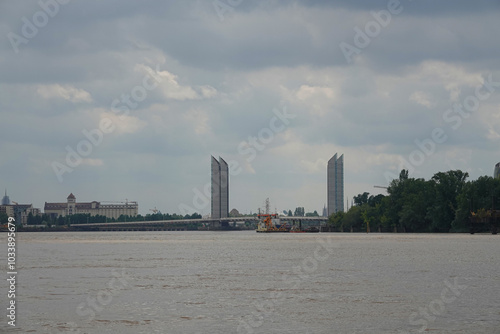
<point>270,223</point>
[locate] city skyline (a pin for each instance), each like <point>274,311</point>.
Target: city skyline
<point>129,103</point>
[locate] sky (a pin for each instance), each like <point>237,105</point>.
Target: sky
<point>126,100</point>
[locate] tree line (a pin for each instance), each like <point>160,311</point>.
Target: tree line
<point>442,204</point>
<point>84,218</point>
<point>301,212</point>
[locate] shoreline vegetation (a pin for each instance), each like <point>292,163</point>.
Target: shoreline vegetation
<point>443,204</point>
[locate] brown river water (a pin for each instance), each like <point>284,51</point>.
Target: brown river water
<point>247,282</point>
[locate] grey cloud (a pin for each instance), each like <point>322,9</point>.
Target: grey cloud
<point>94,46</point>
<point>420,7</point>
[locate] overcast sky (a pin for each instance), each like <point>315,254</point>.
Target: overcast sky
<point>160,86</point>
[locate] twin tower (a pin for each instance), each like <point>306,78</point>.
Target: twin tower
<point>335,184</point>
<point>220,186</point>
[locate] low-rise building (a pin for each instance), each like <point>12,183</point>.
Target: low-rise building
<point>94,208</point>
<point>7,209</point>
<point>20,212</point>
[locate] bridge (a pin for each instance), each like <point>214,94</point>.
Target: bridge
<point>181,224</point>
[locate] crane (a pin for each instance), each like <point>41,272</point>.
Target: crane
<point>380,187</point>
<point>155,210</point>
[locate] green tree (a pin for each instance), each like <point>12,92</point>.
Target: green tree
<point>410,200</point>
<point>299,212</point>
<point>370,217</point>
<point>45,219</point>
<point>396,191</point>
<point>312,214</point>
<point>416,201</point>
<point>353,220</point>
<point>60,221</point>
<point>361,199</point>
<point>374,200</point>
<point>337,220</point>
<point>441,204</point>
<point>34,219</point>
<point>474,196</point>
<point>4,218</point>
<point>447,187</point>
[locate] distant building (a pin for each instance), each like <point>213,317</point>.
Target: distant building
<point>5,199</point>
<point>335,184</point>
<point>19,212</point>
<point>220,188</point>
<point>93,208</point>
<point>496,174</point>
<point>7,209</point>
<point>224,188</point>
<point>22,211</point>
<point>325,212</point>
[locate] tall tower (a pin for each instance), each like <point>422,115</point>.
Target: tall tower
<point>6,199</point>
<point>220,188</point>
<point>335,184</point>
<point>496,173</point>
<point>224,188</point>
<point>215,188</point>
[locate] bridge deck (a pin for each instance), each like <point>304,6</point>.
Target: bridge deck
<point>190,221</point>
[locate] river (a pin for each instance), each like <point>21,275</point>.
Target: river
<point>247,282</point>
